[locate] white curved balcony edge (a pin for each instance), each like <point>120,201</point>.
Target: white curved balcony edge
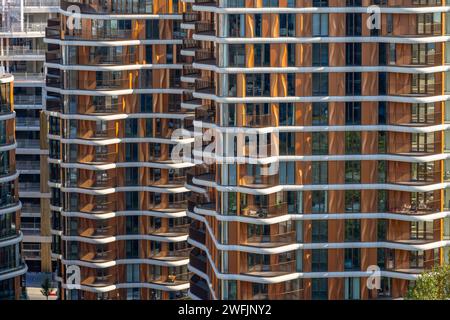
<point>118,92</point>
<point>383,98</point>
<point>7,116</point>
<point>110,215</point>
<point>124,16</point>
<point>104,142</point>
<point>9,177</point>
<point>119,116</point>
<point>187,25</point>
<point>56,232</point>
<point>10,209</point>
<point>116,165</point>
<point>294,275</point>
<point>110,43</point>
<point>315,187</point>
<point>304,275</point>
<point>12,240</point>
<point>336,157</point>
<point>320,216</point>
<point>127,286</point>
<point>342,128</point>
<point>324,69</point>
<point>119,67</point>
<point>362,39</point>
<point>8,147</point>
<point>125,237</point>
<point>161,189</point>
<point>196,189</point>
<point>18,272</point>
<point>307,246</point>
<point>359,9</point>
<point>108,264</point>
<point>6,78</point>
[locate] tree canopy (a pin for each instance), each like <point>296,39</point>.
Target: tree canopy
<point>432,285</point>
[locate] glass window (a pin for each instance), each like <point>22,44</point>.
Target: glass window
<point>320,84</point>
<point>353,142</point>
<point>353,24</point>
<point>353,83</point>
<point>319,172</point>
<point>353,54</point>
<point>320,113</point>
<point>320,54</point>
<point>352,171</point>
<point>319,260</point>
<point>319,143</point>
<point>352,288</point>
<point>319,201</point>
<point>352,259</point>
<point>287,24</point>
<point>319,288</point>
<point>320,24</point>
<point>352,200</point>
<point>353,113</point>
<point>319,231</point>
<point>352,230</point>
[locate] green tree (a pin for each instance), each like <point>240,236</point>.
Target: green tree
<point>46,287</point>
<point>432,285</point>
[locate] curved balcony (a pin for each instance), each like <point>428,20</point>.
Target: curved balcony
<point>171,279</point>
<point>410,119</point>
<point>271,240</point>
<point>99,280</point>
<point>97,232</point>
<point>99,7</point>
<point>98,158</point>
<point>269,270</point>
<point>265,211</point>
<point>175,255</point>
<point>170,231</point>
<point>413,208</point>
<point>103,207</point>
<point>298,294</point>
<point>99,256</point>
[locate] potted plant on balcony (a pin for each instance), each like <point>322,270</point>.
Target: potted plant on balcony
<point>245,210</point>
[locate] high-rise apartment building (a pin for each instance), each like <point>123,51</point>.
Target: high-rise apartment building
<point>357,116</point>
<point>113,100</point>
<point>22,53</point>
<point>12,267</point>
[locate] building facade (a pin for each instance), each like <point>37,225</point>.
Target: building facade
<point>354,119</point>
<point>12,266</point>
<point>113,100</point>
<point>22,53</point>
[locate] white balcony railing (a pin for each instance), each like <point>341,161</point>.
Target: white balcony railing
<point>27,100</point>
<point>33,144</point>
<point>41,3</point>
<point>22,52</point>
<point>27,28</point>
<point>27,165</point>
<point>29,187</point>
<point>27,122</point>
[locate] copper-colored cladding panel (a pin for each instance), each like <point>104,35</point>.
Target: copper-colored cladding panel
<point>113,136</point>
<point>12,273</point>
